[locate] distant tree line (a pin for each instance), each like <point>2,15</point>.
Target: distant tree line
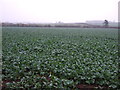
<point>78,25</point>
<point>25,25</point>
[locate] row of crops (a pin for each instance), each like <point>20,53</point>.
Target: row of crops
<point>59,57</point>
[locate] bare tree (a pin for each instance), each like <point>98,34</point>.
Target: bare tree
<point>106,23</point>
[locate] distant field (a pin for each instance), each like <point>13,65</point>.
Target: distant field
<point>101,24</point>
<point>60,57</point>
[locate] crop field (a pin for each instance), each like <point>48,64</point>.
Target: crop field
<point>70,58</point>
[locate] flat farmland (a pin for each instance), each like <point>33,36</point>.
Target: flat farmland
<point>70,58</point>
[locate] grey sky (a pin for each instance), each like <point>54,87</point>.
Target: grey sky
<point>58,10</point>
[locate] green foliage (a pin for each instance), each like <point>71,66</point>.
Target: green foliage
<point>59,57</point>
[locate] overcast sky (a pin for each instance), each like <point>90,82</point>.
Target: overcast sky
<point>58,10</point>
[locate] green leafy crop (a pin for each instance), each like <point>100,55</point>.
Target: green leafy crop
<point>59,57</point>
